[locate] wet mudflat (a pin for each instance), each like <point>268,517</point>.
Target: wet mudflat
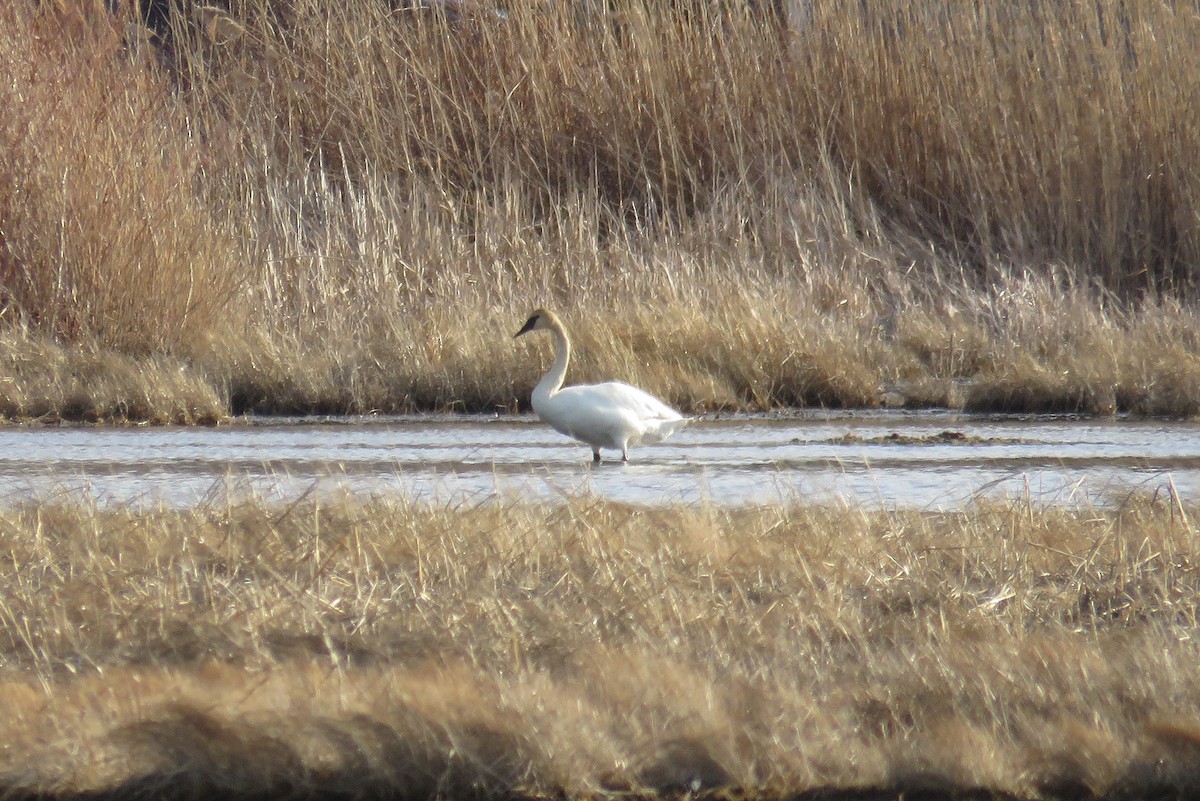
<point>919,460</point>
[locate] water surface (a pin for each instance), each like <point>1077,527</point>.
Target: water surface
<point>898,459</point>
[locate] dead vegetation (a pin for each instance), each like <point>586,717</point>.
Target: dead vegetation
<point>349,207</point>
<point>301,206</point>
<point>378,647</point>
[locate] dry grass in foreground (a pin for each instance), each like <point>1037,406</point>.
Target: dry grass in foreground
<point>357,648</point>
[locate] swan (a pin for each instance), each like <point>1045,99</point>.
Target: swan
<point>608,415</point>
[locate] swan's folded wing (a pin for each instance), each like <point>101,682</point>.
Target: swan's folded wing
<point>610,415</point>
<point>642,404</point>
<point>649,420</point>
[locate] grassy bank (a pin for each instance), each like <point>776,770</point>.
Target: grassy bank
<point>378,647</point>
<point>290,206</point>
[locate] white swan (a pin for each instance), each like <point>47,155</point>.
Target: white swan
<point>608,415</point>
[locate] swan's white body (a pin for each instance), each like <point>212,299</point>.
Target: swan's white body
<point>608,415</point>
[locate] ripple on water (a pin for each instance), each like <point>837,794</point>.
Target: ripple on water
<point>934,460</point>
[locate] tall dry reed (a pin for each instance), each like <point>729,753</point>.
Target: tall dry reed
<point>104,238</point>
<point>347,207</point>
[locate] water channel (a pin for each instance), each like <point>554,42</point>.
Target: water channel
<point>927,460</point>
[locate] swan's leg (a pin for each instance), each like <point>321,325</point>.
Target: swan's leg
<point>624,454</point>
<point>595,454</point>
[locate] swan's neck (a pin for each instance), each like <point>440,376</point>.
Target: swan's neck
<point>552,381</point>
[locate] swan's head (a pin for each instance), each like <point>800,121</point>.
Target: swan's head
<point>540,320</point>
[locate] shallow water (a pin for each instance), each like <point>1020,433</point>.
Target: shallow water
<point>896,459</point>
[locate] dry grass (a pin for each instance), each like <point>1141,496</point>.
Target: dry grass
<point>379,647</point>
<point>44,380</point>
<point>347,208</point>
<point>102,237</point>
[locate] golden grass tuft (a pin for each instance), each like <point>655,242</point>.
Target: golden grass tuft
<point>41,379</point>
<point>382,647</point>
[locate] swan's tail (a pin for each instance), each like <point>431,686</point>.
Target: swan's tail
<point>659,430</point>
